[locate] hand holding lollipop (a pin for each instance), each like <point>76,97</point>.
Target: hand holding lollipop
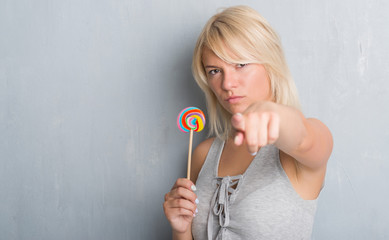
<point>190,119</point>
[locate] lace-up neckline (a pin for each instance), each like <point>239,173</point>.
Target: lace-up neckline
<point>223,197</point>
<point>253,205</point>
<point>226,189</point>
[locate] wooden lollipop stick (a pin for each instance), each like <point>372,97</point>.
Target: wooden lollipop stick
<point>190,119</point>
<point>189,154</point>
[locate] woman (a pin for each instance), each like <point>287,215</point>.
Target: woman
<point>261,175</point>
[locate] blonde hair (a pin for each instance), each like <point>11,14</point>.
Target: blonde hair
<point>241,35</point>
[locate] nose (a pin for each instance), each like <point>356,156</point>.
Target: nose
<point>230,80</point>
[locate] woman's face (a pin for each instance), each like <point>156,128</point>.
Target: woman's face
<point>236,86</point>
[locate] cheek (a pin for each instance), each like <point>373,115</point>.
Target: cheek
<point>216,91</point>
<point>263,90</point>
<point>262,82</point>
<point>213,86</point>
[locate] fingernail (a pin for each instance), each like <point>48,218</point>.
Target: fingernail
<point>193,187</point>
<point>197,201</point>
<point>238,114</point>
<point>254,153</point>
<point>194,215</point>
<point>197,210</point>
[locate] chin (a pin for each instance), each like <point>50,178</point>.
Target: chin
<point>235,110</point>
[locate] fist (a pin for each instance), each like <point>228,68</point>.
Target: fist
<point>257,126</point>
<point>180,205</point>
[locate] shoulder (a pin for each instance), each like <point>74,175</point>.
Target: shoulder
<point>198,157</point>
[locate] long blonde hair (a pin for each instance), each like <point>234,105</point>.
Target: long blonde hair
<point>249,39</point>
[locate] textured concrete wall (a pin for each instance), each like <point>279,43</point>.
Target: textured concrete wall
<point>90,91</point>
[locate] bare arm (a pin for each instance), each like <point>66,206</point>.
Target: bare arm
<point>308,141</point>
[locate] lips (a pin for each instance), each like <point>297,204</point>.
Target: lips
<point>234,99</point>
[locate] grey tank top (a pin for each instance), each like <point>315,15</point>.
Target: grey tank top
<point>259,204</point>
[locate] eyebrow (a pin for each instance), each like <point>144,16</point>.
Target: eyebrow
<point>210,66</point>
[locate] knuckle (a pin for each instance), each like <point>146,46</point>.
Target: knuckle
<point>165,206</point>
<point>274,115</point>
<point>271,139</point>
<point>273,136</point>
<point>264,140</point>
<point>180,202</point>
<point>264,116</point>
<point>188,183</point>
<point>251,115</point>
<point>178,181</point>
<point>251,140</point>
<point>181,210</point>
<point>180,191</point>
<point>194,196</point>
<point>253,144</point>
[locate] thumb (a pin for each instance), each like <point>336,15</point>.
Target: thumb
<point>239,138</point>
<point>237,122</point>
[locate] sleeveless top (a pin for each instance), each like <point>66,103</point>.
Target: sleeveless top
<point>259,204</point>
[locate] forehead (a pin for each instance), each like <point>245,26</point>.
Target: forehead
<point>209,56</point>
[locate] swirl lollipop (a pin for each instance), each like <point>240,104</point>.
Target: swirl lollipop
<point>190,119</point>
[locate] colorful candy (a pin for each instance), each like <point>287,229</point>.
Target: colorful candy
<point>191,118</point>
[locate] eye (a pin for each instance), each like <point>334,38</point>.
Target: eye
<point>213,71</point>
<point>240,65</point>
